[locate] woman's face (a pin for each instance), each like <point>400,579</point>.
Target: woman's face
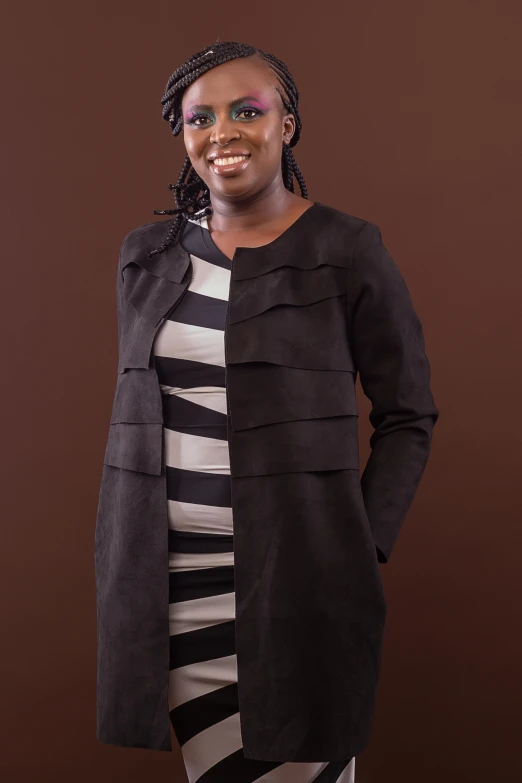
<point>235,110</point>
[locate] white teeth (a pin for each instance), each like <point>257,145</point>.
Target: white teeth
<point>228,161</point>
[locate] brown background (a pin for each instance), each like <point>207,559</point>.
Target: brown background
<point>411,119</point>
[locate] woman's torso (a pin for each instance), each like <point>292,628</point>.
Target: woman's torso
<point>189,357</point>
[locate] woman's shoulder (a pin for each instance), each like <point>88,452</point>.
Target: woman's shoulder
<point>146,236</point>
<point>141,240</point>
<point>341,233</point>
<point>340,219</point>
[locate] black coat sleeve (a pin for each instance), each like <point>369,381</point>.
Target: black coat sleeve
<point>119,295</point>
<point>389,352</point>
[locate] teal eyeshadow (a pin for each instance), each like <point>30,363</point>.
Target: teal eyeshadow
<point>251,105</point>
<point>257,106</point>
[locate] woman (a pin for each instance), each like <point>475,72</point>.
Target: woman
<point>242,324</point>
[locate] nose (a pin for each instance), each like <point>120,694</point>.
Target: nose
<point>224,131</point>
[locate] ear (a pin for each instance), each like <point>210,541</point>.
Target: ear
<point>288,128</point>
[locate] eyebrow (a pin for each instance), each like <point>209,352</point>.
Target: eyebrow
<point>208,107</point>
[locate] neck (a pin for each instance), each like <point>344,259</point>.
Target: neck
<point>263,208</point>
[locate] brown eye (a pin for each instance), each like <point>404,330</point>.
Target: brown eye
<point>196,120</point>
<point>253,112</point>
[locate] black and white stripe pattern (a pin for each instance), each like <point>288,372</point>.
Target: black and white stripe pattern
<point>203,700</point>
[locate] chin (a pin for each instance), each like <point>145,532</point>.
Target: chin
<point>235,189</point>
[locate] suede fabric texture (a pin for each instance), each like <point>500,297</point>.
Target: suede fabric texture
<point>307,313</point>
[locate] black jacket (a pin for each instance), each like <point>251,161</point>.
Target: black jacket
<point>307,312</point>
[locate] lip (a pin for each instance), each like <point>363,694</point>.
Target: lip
<point>230,153</point>
<point>233,168</point>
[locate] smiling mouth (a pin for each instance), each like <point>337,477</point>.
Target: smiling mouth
<point>232,165</point>
<point>229,161</point>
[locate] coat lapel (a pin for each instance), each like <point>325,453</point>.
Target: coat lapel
<point>153,284</point>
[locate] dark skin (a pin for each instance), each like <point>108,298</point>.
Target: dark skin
<point>251,207</point>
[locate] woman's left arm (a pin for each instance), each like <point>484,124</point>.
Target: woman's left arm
<point>388,349</point>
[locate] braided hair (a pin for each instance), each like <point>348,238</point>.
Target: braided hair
<point>191,194</point>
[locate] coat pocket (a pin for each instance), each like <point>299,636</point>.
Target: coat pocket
<point>135,447</point>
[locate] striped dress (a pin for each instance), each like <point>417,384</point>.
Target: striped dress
<point>203,698</point>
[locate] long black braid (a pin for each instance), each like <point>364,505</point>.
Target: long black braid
<point>191,194</point>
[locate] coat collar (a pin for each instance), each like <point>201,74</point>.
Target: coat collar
<point>249,262</point>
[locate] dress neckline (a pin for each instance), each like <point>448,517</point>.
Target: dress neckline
<point>240,249</point>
